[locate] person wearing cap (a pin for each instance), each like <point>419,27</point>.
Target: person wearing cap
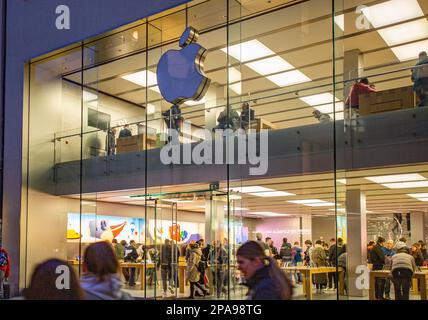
<point>402,268</point>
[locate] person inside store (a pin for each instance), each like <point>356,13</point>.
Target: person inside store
<point>424,250</point>
<point>247,115</point>
<point>420,79</point>
<point>166,266</point>
<point>388,250</point>
<point>43,283</point>
<point>203,263</point>
<point>192,271</point>
<point>370,246</point>
<point>377,258</point>
<point>119,250</point>
<point>342,261</point>
<point>308,253</point>
<point>125,132</point>
<point>362,86</point>
<point>321,117</point>
<point>262,244</point>
<point>131,256</point>
<point>417,254</point>
<point>319,260</point>
<point>297,260</point>
<point>218,263</point>
<point>233,121</point>
<point>173,118</point>
<point>402,268</point>
<point>111,141</point>
<point>269,244</point>
<point>100,280</point>
<point>285,252</point>
<point>263,276</point>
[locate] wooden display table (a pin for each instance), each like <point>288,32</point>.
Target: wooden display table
<point>141,266</point>
<point>307,277</point>
<point>259,124</point>
<point>418,275</point>
<point>134,143</point>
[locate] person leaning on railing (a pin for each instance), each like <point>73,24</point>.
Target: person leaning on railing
<point>360,87</point>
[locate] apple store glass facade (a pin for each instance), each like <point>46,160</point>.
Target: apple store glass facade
<point>325,140</point>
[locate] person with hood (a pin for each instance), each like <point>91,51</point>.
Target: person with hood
<point>263,276</point>
<point>402,268</point>
<point>319,260</point>
<point>100,279</point>
<point>192,272</point>
<point>377,258</point>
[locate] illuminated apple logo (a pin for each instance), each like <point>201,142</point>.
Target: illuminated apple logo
<point>180,72</point>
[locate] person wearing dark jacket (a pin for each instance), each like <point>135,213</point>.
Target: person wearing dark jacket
<point>377,258</point>
<point>131,255</point>
<point>264,278</point>
<point>167,260</point>
<point>125,132</point>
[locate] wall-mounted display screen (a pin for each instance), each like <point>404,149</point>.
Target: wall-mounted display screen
<point>96,228</point>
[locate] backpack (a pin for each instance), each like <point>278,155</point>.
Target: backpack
<point>3,259</point>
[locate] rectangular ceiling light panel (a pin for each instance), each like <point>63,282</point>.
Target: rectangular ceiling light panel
<point>393,11</point>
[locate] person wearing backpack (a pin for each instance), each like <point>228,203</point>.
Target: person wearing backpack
<point>4,273</point>
<point>285,253</point>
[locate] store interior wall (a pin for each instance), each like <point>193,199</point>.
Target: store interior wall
<point>323,226</point>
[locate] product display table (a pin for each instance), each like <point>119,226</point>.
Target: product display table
<point>141,266</point>
<point>418,275</point>
<point>307,277</point>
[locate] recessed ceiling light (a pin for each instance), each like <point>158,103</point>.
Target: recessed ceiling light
<point>410,51</point>
<point>235,77</point>
<point>140,79</point>
<point>338,210</point>
<point>262,192</point>
<point>423,199</point>
<point>407,185</point>
<point>289,78</point>
<point>406,32</point>
<point>418,195</point>
<point>321,204</point>
<point>396,178</point>
<point>267,214</point>
<point>393,11</point>
<point>324,103</point>
<point>306,201</point>
<point>270,65</point>
<point>151,109</point>
<point>193,103</point>
<point>236,208</point>
<point>342,181</point>
<point>340,21</point>
<point>249,50</point>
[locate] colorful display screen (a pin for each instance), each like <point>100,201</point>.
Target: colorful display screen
<point>92,227</point>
